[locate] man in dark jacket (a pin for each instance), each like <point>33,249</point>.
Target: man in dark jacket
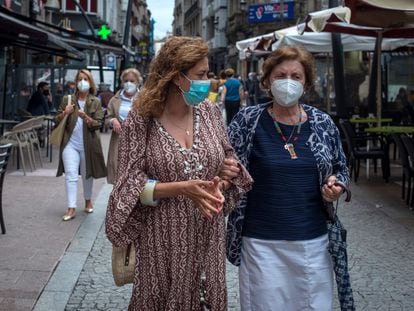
<point>39,102</point>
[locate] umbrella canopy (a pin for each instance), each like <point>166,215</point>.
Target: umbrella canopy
<point>259,45</point>
<point>382,13</point>
<point>321,42</point>
<point>379,19</point>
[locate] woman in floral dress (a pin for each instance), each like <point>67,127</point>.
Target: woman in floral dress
<point>168,199</point>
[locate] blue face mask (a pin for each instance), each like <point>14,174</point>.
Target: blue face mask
<point>197,92</point>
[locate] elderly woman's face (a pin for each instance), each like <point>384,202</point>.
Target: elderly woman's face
<point>289,69</point>
<point>130,77</point>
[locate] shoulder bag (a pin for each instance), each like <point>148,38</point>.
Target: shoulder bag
<point>56,136</point>
<point>123,264</point>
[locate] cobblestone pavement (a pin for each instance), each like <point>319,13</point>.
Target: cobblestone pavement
<point>381,252</point>
<point>95,289</point>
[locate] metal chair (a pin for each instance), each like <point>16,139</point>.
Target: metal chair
<point>409,146</point>
<point>407,169</point>
<point>19,137</point>
<point>4,158</point>
<point>357,150</point>
<point>37,127</point>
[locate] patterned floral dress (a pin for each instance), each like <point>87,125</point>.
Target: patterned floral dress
<point>174,243</point>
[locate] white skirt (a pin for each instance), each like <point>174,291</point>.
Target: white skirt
<point>286,275</point>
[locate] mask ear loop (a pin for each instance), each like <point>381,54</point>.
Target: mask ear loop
<point>188,79</point>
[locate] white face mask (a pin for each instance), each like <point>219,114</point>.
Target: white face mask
<point>286,92</point>
<point>83,86</point>
<point>130,87</point>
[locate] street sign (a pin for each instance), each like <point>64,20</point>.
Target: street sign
<point>271,12</point>
<point>110,60</point>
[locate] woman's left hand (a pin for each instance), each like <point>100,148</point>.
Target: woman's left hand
<point>330,192</point>
<point>216,191</point>
<point>83,115</point>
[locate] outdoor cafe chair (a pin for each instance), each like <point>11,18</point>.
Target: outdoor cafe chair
<point>22,147</point>
<point>37,123</point>
<point>4,158</point>
<point>409,145</point>
<point>407,169</point>
<point>359,149</point>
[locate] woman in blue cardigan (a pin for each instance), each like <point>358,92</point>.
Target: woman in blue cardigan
<point>279,233</point>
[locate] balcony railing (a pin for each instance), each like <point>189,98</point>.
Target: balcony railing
<point>191,12</point>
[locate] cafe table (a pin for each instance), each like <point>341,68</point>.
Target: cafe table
<point>389,129</point>
<point>5,122</point>
<point>369,120</point>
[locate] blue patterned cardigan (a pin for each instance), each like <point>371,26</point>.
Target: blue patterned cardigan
<point>326,146</point>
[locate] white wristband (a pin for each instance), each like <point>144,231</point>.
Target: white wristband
<point>147,195</point>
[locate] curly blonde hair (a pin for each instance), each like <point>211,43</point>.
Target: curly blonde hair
<point>294,52</point>
<point>177,55</point>
<point>92,85</point>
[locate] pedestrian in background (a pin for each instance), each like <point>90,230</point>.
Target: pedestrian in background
<point>118,109</point>
<point>105,95</point>
<point>40,100</point>
<point>168,200</point>
<point>231,94</point>
<point>81,150</point>
<point>279,231</point>
<point>251,84</point>
<point>214,86</point>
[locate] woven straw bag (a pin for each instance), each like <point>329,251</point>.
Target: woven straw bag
<point>123,264</point>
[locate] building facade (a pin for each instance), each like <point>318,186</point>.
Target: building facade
<point>224,22</point>
<point>49,40</point>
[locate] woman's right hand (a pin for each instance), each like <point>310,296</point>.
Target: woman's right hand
<point>116,125</point>
<point>68,109</point>
<point>230,169</point>
<point>205,195</point>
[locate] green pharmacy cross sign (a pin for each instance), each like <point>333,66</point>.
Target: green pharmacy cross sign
<point>104,32</point>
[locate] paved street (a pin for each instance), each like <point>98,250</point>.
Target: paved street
<point>381,238</point>
<point>66,266</point>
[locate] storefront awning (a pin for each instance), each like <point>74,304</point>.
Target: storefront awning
<point>19,33</point>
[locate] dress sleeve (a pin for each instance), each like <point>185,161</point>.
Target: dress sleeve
<point>240,184</point>
<point>124,213</point>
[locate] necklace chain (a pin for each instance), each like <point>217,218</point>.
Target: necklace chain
<point>289,146</point>
<point>186,129</point>
<point>296,126</point>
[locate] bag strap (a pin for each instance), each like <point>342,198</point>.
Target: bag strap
<point>332,209</point>
<point>345,189</point>
<point>127,254</point>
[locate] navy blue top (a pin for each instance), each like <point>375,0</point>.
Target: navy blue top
<point>285,202</point>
